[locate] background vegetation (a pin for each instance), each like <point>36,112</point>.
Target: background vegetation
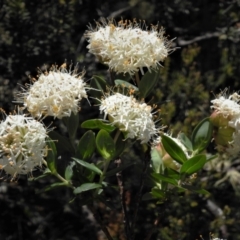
<point>206,61</point>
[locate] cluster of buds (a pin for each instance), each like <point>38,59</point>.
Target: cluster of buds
<point>226,121</point>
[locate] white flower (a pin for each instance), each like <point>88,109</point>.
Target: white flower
<point>130,116</point>
<point>56,93</point>
<point>22,144</point>
<point>227,119</point>
<point>126,48</point>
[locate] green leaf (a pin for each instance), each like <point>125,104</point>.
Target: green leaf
<point>86,187</point>
<point>120,144</point>
<point>52,186</point>
<point>118,169</point>
<point>98,86</point>
<point>125,84</point>
<point>157,193</point>
<point>156,160</point>
<point>173,149</point>
<point>89,166</point>
<point>193,165</point>
<point>195,189</point>
<point>105,145</point>
<point>148,83</point>
<point>69,171</point>
<point>62,143</point>
<point>202,135</point>
<point>185,141</point>
<point>172,173</point>
<point>72,125</point>
<point>52,155</point>
<point>86,146</point>
<point>159,177</point>
<point>98,124</point>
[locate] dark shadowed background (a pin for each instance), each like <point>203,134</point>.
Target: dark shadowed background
<point>46,32</point>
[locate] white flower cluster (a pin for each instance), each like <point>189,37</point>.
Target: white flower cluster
<point>22,144</point>
<point>229,109</point>
<point>126,48</point>
<point>130,116</point>
<point>55,93</point>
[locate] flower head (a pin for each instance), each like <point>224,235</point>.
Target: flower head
<point>126,47</point>
<point>22,144</point>
<point>226,120</point>
<point>56,93</point>
<point>130,116</point>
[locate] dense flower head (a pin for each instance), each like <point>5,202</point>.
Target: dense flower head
<point>226,118</point>
<point>22,144</point>
<point>56,93</point>
<point>126,47</point>
<point>130,116</point>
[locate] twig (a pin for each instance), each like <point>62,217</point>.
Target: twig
<point>123,202</point>
<point>100,222</point>
<point>217,212</point>
<point>139,195</point>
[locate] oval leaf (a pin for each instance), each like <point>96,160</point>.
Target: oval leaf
<point>202,135</point>
<point>193,165</point>
<point>105,145</point>
<point>185,141</point>
<point>98,124</point>
<point>156,160</point>
<point>159,177</point>
<point>173,149</point>
<point>69,171</point>
<point>86,146</point>
<point>86,187</point>
<point>52,155</point>
<point>89,166</point>
<point>148,82</point>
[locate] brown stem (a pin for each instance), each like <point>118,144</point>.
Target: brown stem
<point>139,195</point>
<point>98,218</point>
<point>123,202</point>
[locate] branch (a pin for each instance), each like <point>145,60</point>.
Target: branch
<point>139,195</point>
<point>182,42</point>
<point>123,202</point>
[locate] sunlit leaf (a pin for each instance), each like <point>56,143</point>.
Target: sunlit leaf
<point>202,135</point>
<point>98,124</point>
<point>173,149</point>
<point>105,145</point>
<point>193,164</point>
